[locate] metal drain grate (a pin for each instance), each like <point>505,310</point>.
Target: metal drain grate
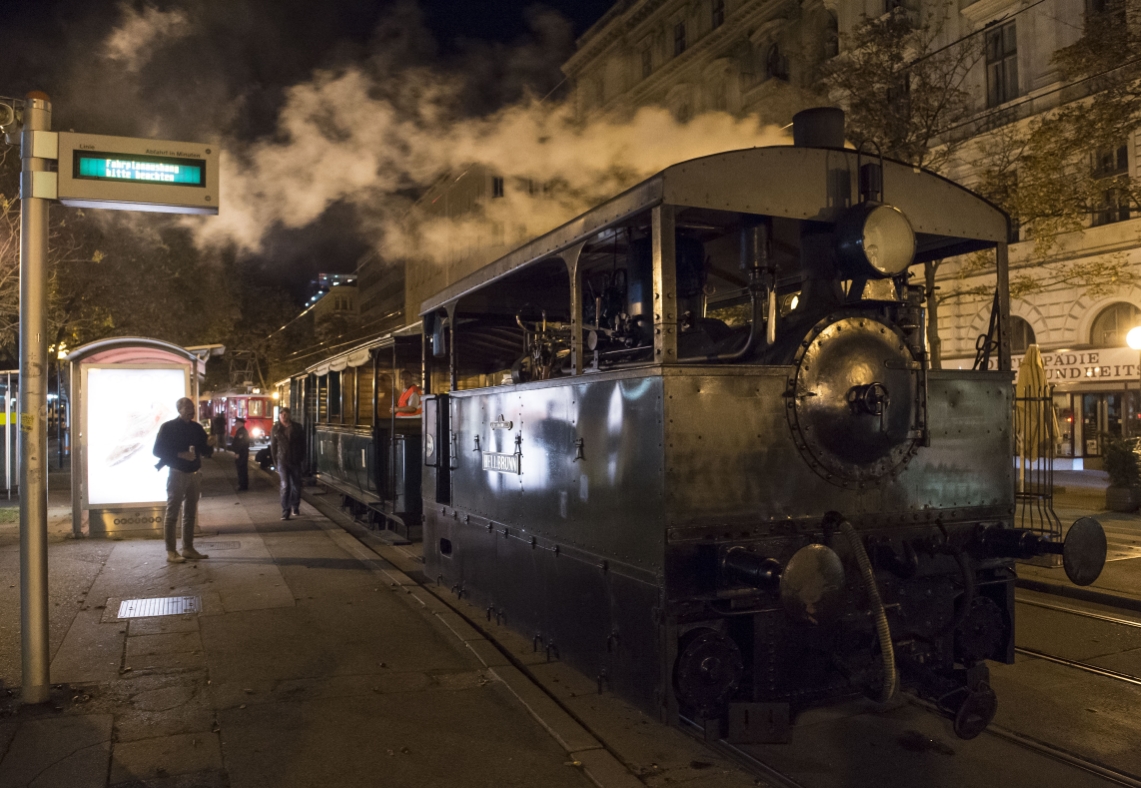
<point>223,545</point>
<point>158,606</point>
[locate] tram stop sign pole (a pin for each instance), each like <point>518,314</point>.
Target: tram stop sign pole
<point>95,171</point>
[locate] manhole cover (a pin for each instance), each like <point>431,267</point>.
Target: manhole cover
<point>158,606</point>
<point>224,545</point>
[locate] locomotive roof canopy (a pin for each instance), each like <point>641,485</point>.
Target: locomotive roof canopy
<point>814,184</point>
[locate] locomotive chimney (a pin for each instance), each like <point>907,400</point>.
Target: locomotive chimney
<point>819,127</point>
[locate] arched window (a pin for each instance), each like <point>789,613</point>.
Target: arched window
<point>1112,324</point>
<point>776,64</point>
<point>1021,335</point>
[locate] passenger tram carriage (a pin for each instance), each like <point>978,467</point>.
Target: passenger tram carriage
<point>690,443</point>
<point>257,409</point>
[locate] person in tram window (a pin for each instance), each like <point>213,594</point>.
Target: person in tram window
<point>181,443</point>
<point>240,446</point>
<point>408,406</point>
<point>287,445</point>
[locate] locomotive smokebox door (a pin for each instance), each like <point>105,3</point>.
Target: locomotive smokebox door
<point>854,400</point>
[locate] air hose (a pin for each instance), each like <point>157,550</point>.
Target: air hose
<point>883,631</point>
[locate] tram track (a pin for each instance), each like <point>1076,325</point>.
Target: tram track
<point>772,776</point>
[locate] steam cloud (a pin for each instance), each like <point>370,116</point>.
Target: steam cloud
<point>338,143</point>
<point>373,129</point>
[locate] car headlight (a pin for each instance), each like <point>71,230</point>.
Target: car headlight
<point>257,432</point>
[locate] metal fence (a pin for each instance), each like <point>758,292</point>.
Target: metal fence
<point>1036,440</point>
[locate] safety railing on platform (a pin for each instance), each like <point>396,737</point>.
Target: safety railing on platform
<point>1035,441</point>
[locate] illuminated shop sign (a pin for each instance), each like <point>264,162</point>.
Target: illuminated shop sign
<point>125,406</point>
<point>1077,366</point>
<point>150,169</point>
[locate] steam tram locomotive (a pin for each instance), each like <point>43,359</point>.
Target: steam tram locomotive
<point>690,442</point>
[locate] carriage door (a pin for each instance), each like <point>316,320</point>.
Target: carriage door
<point>438,444</point>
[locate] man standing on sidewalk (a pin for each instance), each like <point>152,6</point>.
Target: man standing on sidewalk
<point>287,445</point>
<point>240,446</point>
<point>181,443</point>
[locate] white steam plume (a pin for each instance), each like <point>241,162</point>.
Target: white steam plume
<point>139,35</point>
<point>338,141</point>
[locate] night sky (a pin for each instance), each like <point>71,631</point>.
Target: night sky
<point>225,71</point>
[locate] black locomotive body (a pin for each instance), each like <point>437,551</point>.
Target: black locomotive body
<point>691,444</point>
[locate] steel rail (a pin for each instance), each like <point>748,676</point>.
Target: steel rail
<point>1071,663</point>
<point>1043,748</point>
<point>749,762</point>
<point>1065,756</point>
<point>1078,612</point>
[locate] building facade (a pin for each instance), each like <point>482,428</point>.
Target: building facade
<point>766,57</point>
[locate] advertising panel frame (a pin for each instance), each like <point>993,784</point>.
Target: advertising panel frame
<point>85,427</point>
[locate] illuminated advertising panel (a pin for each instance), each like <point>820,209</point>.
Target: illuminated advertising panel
<point>124,408</point>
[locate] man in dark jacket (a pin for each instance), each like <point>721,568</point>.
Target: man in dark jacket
<point>181,443</point>
<point>218,431</point>
<point>287,444</point>
<point>240,446</point>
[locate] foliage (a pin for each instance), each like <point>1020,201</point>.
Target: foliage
<point>903,92</point>
<point>1121,461</point>
<point>901,89</point>
<point>1046,173</point>
<point>117,274</point>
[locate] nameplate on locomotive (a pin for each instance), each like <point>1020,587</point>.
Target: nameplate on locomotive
<point>500,463</point>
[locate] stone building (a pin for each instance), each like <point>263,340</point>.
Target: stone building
<point>765,57</point>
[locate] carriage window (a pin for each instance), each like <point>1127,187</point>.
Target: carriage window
<point>257,409</point>
<point>349,387</point>
<point>364,395</point>
<point>334,396</point>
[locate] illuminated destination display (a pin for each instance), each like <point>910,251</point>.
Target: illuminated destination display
<point>148,169</point>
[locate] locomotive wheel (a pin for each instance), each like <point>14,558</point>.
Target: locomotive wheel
<point>976,712</point>
<point>707,671</point>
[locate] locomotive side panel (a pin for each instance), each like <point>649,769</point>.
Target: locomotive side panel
<point>578,463</point>
<point>731,457</point>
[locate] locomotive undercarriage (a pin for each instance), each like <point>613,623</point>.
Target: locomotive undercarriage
<point>742,657</point>
<point>729,656</point>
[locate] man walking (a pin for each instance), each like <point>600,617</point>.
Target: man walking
<point>181,443</point>
<point>287,445</point>
<point>240,446</point>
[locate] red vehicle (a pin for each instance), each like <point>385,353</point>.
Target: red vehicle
<point>256,409</point>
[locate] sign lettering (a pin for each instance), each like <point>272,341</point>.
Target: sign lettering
<point>500,463</point>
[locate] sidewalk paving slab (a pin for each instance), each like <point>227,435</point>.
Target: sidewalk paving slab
<point>311,663</point>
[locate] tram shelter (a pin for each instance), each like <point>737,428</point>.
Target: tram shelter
<point>123,389</point>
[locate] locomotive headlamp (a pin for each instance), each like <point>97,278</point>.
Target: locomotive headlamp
<point>875,241</point>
